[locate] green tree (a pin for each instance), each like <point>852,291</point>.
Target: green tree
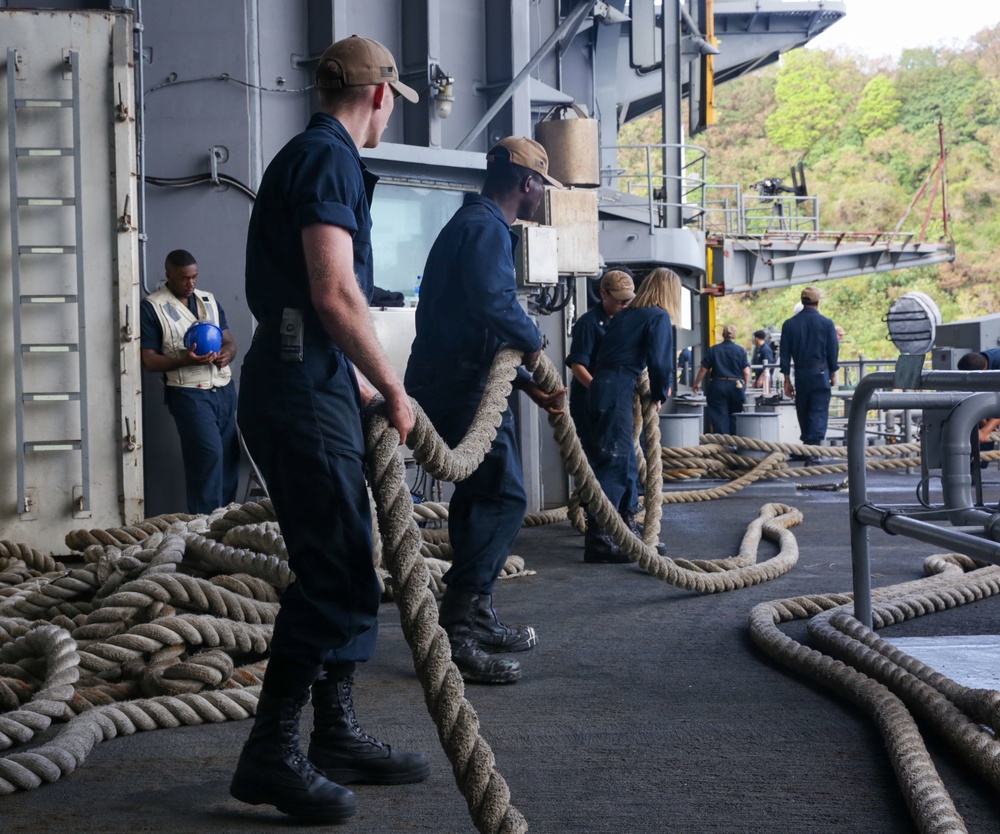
<point>807,103</point>
<point>866,168</point>
<point>937,85</point>
<point>879,107</point>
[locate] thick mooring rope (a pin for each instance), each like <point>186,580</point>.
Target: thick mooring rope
<point>472,760</point>
<point>115,634</point>
<point>130,627</point>
<point>473,764</point>
<point>884,681</point>
<point>708,576</point>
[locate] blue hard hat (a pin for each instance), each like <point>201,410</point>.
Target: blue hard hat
<point>204,334</point>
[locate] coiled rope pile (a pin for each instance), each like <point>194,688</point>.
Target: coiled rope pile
<point>129,642</point>
<point>888,684</point>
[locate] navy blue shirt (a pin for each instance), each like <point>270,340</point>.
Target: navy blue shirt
<point>684,360</point>
<point>150,330</point>
<point>588,333</point>
<point>468,296</point>
<point>726,360</point>
<point>318,177</point>
<point>992,359</point>
<point>762,355</point>
<point>811,340</point>
<point>640,338</point>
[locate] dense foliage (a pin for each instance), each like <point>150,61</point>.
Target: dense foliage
<point>867,133</point>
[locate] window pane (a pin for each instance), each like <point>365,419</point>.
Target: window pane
<point>405,221</point>
<point>687,299</point>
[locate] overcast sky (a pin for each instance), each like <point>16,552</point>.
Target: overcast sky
<point>887,27</point>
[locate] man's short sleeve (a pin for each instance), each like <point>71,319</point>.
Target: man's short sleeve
<point>324,186</point>
<point>583,348</point>
<point>150,331</point>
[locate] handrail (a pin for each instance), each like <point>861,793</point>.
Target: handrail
<point>894,519</point>
<point>724,209</point>
<point>645,186</point>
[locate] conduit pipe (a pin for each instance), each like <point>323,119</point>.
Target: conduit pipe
<point>863,514</point>
<point>956,451</point>
<point>896,523</point>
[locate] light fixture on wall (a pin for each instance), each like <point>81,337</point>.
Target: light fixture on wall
<point>442,90</point>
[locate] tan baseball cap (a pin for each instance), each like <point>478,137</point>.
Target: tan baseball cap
<point>618,285</point>
<point>527,153</point>
<point>811,295</point>
<point>358,62</point>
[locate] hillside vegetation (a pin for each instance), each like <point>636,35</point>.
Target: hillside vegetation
<point>867,133</point>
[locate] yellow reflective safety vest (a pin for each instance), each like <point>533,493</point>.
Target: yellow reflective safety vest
<point>175,318</point>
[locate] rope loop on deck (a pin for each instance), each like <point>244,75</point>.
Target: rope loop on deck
<point>169,621</point>
<point>890,685</point>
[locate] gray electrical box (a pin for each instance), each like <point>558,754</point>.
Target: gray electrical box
<point>977,334</point>
<point>946,358</point>
<point>536,259</point>
<point>931,434</point>
<point>572,212</point>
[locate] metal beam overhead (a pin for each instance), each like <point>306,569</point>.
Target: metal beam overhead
<point>566,31</point>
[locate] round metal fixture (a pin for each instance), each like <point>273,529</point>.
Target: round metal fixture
<point>913,321</point>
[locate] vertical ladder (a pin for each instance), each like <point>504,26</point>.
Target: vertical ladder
<point>52,108</point>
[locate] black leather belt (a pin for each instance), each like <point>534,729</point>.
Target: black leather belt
<point>314,335</point>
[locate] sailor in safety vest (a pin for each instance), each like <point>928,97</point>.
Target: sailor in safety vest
<point>198,385</point>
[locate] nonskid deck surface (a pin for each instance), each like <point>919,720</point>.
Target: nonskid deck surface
<point>643,709</point>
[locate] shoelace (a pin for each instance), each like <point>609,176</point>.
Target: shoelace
<point>348,707</point>
<point>300,764</point>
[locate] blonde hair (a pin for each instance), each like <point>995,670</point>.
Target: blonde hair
<point>729,332</point>
<point>661,288</point>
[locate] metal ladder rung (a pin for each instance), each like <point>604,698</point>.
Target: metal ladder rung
<point>52,446</point>
<point>46,250</point>
<point>44,151</point>
<point>50,396</point>
<point>48,299</point>
<point>47,157</point>
<point>43,102</point>
<point>51,348</point>
<point>46,201</point>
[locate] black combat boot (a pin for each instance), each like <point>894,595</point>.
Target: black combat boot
<point>346,753</point>
<point>598,547</point>
<point>494,636</point>
<point>458,615</point>
<point>273,771</point>
<point>639,530</point>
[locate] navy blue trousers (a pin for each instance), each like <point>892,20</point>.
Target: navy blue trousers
<point>210,448</point>
<point>302,425</point>
<point>581,418</point>
<point>722,401</point>
<point>487,508</point>
<point>812,405</point>
<point>609,403</point>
